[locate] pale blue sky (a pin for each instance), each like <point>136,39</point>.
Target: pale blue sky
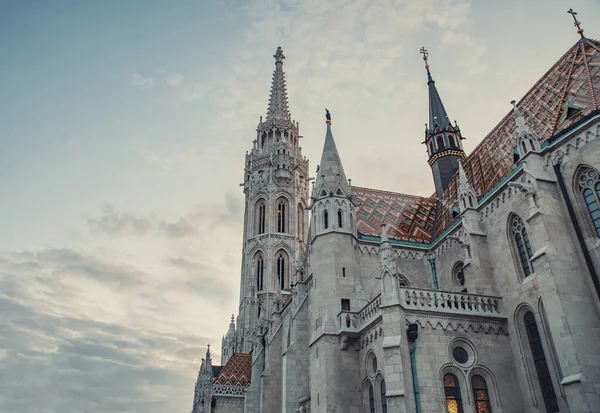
<point>122,134</point>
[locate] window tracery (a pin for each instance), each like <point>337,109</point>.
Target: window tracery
<point>522,244</point>
<point>589,186</point>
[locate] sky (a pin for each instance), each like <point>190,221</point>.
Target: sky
<point>123,128</point>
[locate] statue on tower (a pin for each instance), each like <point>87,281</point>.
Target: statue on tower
<point>327,117</point>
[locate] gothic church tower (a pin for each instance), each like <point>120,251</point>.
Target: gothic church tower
<point>275,218</point>
<point>443,140</point>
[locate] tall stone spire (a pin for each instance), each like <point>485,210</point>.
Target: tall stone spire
<point>330,172</point>
<point>278,104</point>
<point>443,139</point>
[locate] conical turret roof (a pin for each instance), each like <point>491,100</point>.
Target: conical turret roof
<point>331,172</point>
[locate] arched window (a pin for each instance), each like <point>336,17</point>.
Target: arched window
<point>541,365</point>
<point>458,276</point>
<point>440,143</point>
<point>281,271</point>
<point>325,220</point>
<point>261,209</point>
<point>260,271</point>
<point>371,399</point>
<point>281,215</point>
<point>452,141</point>
<point>300,232</point>
<point>383,398</point>
<point>589,186</point>
<point>480,395</point>
<point>340,219</point>
<point>452,390</point>
<point>522,245</point>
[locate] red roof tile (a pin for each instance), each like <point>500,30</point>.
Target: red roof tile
<point>407,217</point>
<point>573,81</point>
<point>237,371</point>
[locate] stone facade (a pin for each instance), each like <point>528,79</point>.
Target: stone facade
<point>494,308</point>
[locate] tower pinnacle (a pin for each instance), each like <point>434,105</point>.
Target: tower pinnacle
<point>330,173</point>
<point>278,104</point>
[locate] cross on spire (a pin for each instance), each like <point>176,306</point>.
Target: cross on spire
<point>576,22</point>
<point>425,54</point>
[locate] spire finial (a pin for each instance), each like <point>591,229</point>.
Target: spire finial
<point>425,54</point>
<point>279,55</point>
<point>576,22</point>
<point>327,117</point>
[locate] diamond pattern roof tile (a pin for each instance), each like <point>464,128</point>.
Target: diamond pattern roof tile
<point>237,371</point>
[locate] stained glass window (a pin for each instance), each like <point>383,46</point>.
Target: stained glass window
<point>383,398</point>
<point>453,398</point>
<point>541,366</point>
<point>522,244</point>
<point>589,185</point>
<point>480,395</point>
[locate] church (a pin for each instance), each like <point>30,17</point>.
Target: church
<point>482,298</point>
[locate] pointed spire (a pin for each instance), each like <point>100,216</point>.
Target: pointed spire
<point>466,193</point>
<point>330,170</point>
<point>437,112</point>
<point>526,139</point>
<point>278,104</point>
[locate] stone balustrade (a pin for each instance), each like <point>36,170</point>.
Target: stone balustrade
<point>348,321</point>
<point>450,302</point>
<point>370,312</point>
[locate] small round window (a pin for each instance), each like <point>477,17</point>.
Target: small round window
<point>458,276</point>
<point>460,355</point>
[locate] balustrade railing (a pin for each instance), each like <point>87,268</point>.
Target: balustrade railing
<point>449,302</point>
<point>370,311</point>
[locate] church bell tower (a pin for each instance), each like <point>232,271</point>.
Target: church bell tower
<point>442,138</point>
<point>275,219</point>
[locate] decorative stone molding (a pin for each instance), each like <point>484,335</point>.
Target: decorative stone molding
<point>572,145</point>
<point>229,390</point>
<point>456,324</point>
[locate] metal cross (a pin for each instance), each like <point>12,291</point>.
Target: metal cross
<point>425,54</point>
<point>576,22</point>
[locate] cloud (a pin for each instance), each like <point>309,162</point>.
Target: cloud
<point>175,80</point>
<point>142,82</point>
<point>113,222</point>
<point>75,338</point>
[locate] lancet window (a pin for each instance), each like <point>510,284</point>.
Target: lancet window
<point>340,220</point>
<point>281,270</point>
<point>481,395</point>
<point>260,272</point>
<point>589,186</point>
<point>281,215</point>
<point>453,397</point>
<point>383,398</point>
<point>261,210</point>
<point>522,244</point>
<point>541,365</point>
<point>325,219</point>
<point>371,399</point>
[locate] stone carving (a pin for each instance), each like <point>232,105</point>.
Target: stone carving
<point>557,157</point>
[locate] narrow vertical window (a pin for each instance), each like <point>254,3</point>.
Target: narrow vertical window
<point>259,273</point>
<point>383,398</point>
<point>541,365</point>
<point>522,244</point>
<point>589,186</point>
<point>452,390</point>
<point>340,219</point>
<point>440,143</point>
<point>300,231</point>
<point>260,217</point>
<point>371,399</point>
<point>480,395</point>
<point>281,278</point>
<point>325,220</point>
<point>281,216</point>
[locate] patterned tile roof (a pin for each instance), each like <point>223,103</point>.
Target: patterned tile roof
<point>407,217</point>
<point>566,93</point>
<point>237,371</point>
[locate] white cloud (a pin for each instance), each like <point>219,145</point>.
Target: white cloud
<point>175,80</point>
<point>142,82</point>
